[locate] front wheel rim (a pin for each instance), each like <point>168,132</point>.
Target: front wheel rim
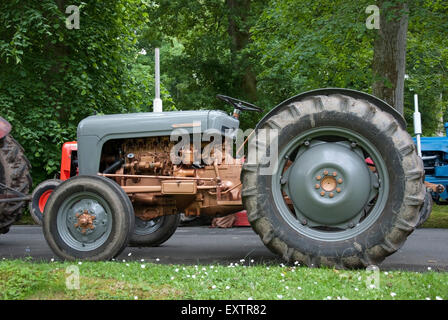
<point>84,234</point>
<point>321,232</point>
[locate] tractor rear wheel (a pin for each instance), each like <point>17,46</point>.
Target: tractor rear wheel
<point>89,218</point>
<point>14,173</point>
<point>346,188</point>
<point>153,233</point>
<point>425,211</point>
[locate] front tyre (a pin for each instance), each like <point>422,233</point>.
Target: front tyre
<point>153,233</point>
<point>39,198</point>
<point>88,218</point>
<point>346,189</point>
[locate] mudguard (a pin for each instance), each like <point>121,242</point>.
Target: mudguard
<point>348,92</point>
<point>5,127</point>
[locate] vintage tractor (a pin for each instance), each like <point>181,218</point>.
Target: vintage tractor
<point>435,160</point>
<point>15,178</point>
<point>330,178</point>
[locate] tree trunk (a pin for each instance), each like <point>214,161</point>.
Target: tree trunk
<point>389,58</point>
<point>239,33</point>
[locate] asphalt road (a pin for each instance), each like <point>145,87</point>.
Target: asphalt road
<point>202,245</point>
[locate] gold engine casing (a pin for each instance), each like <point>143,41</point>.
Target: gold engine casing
<point>158,187</point>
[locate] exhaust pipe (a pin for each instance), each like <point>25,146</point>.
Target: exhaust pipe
<point>417,125</point>
<point>157,103</point>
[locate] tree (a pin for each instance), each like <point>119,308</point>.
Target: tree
<point>51,77</point>
<point>204,49</point>
<point>304,44</point>
<point>389,59</point>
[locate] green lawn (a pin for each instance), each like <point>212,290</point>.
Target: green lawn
<point>438,218</point>
<point>21,279</point>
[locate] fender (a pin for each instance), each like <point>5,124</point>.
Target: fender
<point>5,128</point>
<point>348,92</point>
<point>66,160</point>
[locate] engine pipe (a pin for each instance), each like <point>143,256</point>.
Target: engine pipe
<point>114,167</point>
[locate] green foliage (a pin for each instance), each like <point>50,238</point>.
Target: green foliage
<point>51,77</point>
<point>427,64</point>
<point>198,59</point>
<point>303,44</point>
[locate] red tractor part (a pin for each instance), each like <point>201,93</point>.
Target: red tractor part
<point>42,192</point>
<point>241,219</point>
<point>39,198</point>
<point>67,160</point>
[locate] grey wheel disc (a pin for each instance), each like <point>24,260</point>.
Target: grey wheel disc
<point>91,234</point>
<point>334,195</point>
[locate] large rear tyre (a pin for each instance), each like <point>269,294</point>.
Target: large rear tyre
<point>14,173</point>
<point>88,218</point>
<point>425,211</point>
<point>322,205</point>
<point>39,198</point>
<point>154,232</point>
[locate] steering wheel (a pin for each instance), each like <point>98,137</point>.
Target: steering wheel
<point>239,104</point>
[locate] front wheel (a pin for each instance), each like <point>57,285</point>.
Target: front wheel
<point>152,233</point>
<point>88,218</point>
<point>39,198</point>
<point>346,188</point>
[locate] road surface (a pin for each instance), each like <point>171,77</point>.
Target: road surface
<point>425,248</point>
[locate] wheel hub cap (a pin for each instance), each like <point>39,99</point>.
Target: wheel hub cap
<point>85,221</point>
<point>329,184</point>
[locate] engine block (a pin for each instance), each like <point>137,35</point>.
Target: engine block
<point>158,187</point>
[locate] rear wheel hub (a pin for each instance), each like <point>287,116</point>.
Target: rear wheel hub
<point>329,184</point>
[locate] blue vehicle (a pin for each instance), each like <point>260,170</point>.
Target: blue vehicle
<point>435,160</point>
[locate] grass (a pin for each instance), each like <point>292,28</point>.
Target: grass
<point>23,279</point>
<point>438,218</point>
